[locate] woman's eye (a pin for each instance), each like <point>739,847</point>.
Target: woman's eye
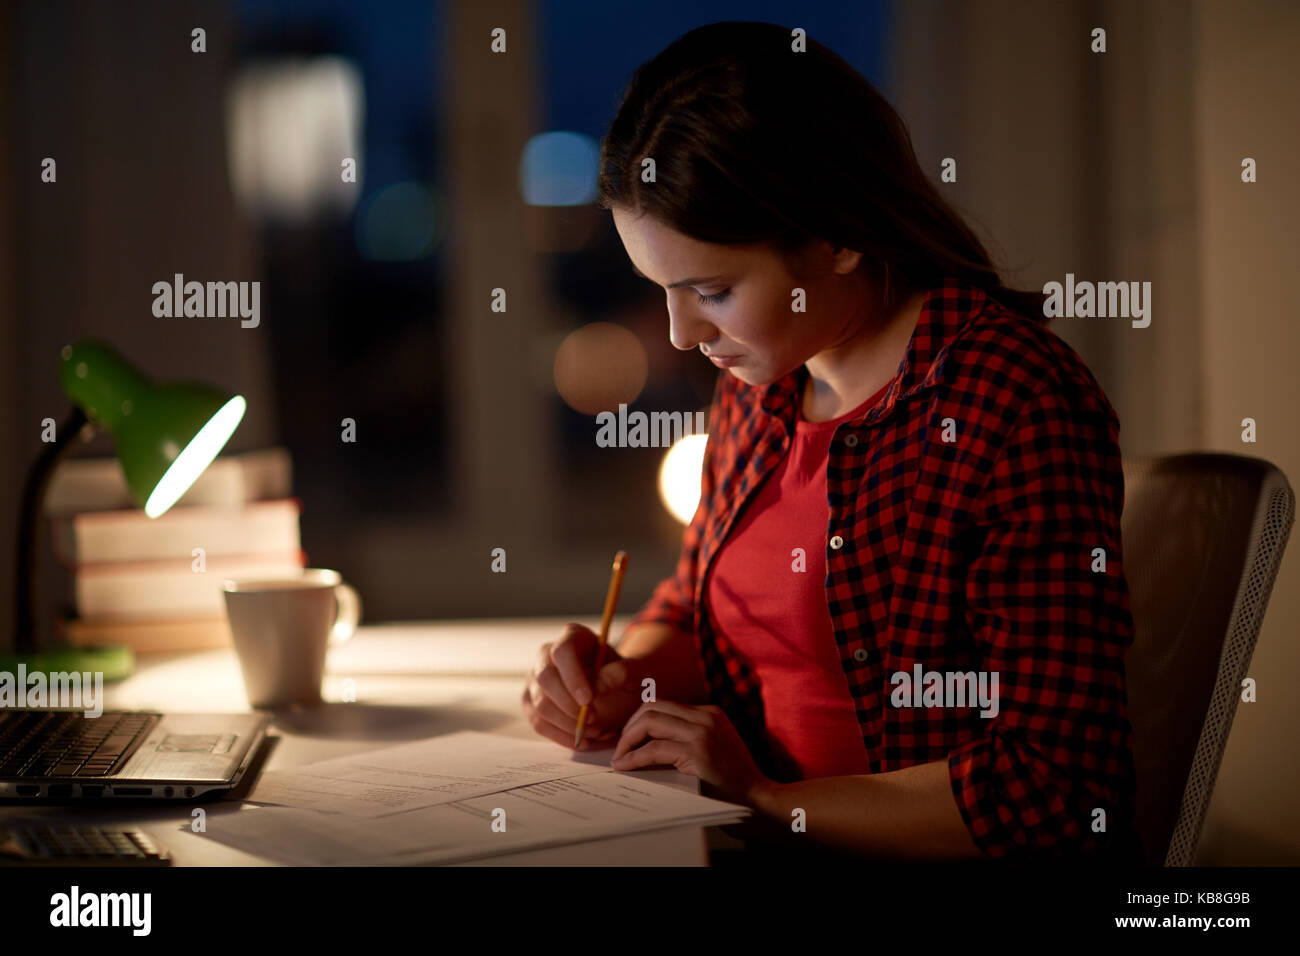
<point>715,298</point>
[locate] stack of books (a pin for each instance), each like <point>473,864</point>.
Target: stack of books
<point>154,584</point>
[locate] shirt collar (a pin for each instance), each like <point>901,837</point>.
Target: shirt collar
<point>948,308</point>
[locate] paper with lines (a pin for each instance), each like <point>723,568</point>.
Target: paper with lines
<point>464,796</point>
<point>423,773</point>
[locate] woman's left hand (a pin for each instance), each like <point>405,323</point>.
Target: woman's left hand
<point>696,740</point>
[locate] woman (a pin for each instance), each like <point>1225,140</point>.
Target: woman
<point>898,622</point>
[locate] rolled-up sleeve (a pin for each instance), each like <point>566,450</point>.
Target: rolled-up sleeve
<point>1054,627</point>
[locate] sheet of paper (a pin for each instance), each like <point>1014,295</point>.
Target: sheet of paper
<point>424,773</point>
<point>572,809</point>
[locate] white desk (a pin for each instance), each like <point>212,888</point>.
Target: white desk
<point>411,681</point>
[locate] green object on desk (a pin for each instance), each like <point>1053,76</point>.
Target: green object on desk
<point>114,661</point>
<point>166,436</point>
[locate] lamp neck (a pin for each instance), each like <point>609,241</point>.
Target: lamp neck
<point>25,637</point>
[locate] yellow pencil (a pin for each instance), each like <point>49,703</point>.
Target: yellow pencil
<point>611,602</point>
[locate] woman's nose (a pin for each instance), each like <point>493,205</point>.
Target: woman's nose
<point>687,331</point>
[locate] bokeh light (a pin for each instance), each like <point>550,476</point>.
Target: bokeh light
<point>598,366</point>
<point>400,223</point>
<point>679,476</point>
<point>289,124</point>
<point>559,169</point>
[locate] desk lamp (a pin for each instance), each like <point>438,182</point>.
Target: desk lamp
<point>166,436</point>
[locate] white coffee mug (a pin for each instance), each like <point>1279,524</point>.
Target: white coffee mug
<point>281,627</point>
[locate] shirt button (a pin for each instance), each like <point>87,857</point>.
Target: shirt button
<point>850,439</point>
<point>837,542</point>
<point>860,655</point>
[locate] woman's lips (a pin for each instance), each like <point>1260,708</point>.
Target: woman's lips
<point>725,361</point>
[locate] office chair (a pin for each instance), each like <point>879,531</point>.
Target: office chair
<point>1203,535</point>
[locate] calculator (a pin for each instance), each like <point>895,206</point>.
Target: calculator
<point>30,843</point>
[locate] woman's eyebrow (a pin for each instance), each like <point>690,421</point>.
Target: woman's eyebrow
<point>696,280</point>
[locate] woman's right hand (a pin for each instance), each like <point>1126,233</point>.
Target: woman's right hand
<point>560,682</point>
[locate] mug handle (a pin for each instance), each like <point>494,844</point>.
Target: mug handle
<point>349,613</point>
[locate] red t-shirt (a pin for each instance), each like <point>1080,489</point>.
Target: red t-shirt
<point>770,602</point>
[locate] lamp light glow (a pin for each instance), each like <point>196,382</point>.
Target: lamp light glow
<point>196,457</point>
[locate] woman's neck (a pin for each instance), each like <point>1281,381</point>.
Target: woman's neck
<point>842,378</point>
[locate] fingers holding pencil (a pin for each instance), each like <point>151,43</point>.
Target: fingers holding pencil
<point>575,669</point>
<point>611,603</point>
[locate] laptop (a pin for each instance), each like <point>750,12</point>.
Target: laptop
<point>62,754</point>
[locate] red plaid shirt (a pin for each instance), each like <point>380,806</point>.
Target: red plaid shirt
<point>974,553</point>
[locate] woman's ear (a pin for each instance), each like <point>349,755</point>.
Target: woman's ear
<point>821,257</point>
<point>845,260</point>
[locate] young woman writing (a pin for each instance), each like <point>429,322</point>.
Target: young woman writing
<point>900,609</point>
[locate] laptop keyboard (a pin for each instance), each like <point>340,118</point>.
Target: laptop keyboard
<point>59,743</point>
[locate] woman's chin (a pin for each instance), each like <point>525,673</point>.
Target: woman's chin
<point>753,376</point>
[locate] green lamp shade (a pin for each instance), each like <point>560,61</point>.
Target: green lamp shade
<point>166,434</point>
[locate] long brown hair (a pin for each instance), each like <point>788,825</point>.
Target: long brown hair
<point>753,142</point>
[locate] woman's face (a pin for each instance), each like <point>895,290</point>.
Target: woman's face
<point>734,303</point>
